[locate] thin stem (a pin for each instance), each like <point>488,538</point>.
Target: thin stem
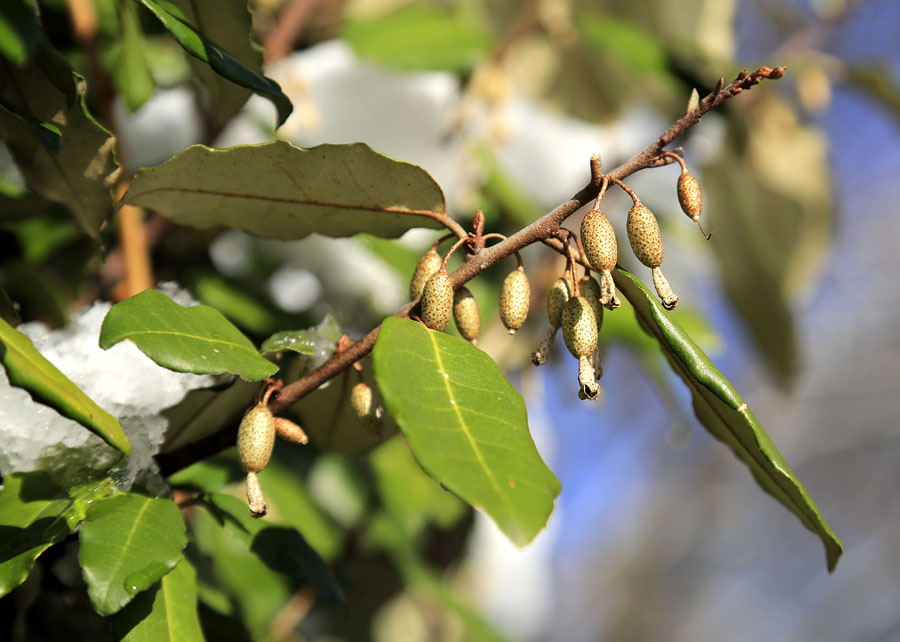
<point>542,230</point>
<point>451,251</point>
<point>627,189</point>
<point>603,186</point>
<point>676,157</point>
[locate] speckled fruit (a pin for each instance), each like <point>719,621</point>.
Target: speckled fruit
<point>599,240</point>
<point>556,300</point>
<point>590,290</point>
<point>515,298</point>
<point>579,327</point>
<point>437,301</point>
<point>428,265</point>
<point>256,438</point>
<point>644,236</point>
<point>465,314</point>
<point>689,196</point>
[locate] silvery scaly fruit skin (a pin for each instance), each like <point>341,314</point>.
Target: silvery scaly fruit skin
<point>515,298</point>
<point>428,265</point>
<point>256,438</point>
<point>556,300</point>
<point>689,195</point>
<point>437,301</point>
<point>590,290</point>
<point>465,314</point>
<point>599,240</point>
<point>644,236</point>
<point>579,327</point>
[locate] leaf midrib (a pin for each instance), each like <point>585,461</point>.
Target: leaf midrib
<point>465,428</point>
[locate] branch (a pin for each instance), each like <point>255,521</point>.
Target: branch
<point>542,230</point>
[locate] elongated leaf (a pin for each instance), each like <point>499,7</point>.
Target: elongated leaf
<point>46,91</point>
<point>721,410</point>
<point>27,368</point>
<point>198,339</point>
<point>165,613</point>
<point>128,542</point>
<point>466,424</point>
<point>219,59</point>
<point>131,73</point>
<point>230,22</point>
<point>31,520</point>
<point>18,30</point>
<point>276,190</point>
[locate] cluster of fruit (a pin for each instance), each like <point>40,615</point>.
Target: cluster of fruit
<point>574,305</point>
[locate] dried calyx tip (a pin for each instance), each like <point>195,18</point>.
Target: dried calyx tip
<point>255,497</point>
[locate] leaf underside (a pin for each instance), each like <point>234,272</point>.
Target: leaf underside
<point>277,190</point>
<point>723,413</point>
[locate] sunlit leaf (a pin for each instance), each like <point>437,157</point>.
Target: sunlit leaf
<point>128,542</point>
<point>167,612</point>
<point>277,190</point>
<point>466,424</point>
<point>29,369</point>
<point>723,413</point>
<point>228,22</point>
<point>220,60</point>
<point>198,339</point>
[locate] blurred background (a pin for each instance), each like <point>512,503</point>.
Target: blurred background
<point>659,532</point>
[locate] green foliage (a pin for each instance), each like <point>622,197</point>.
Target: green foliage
<point>721,410</point>
<point>361,514</point>
<point>466,424</point>
<point>276,190</point>
<point>128,542</point>
<point>221,61</point>
<point>198,339</point>
<point>29,369</point>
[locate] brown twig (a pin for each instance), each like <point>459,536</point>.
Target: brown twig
<point>543,230</point>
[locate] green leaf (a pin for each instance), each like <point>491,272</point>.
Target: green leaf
<point>276,190</point>
<point>281,548</point>
<point>27,368</point>
<point>422,36</point>
<point>466,424</point>
<point>165,613</point>
<point>18,30</point>
<point>46,91</point>
<point>723,413</point>
<point>128,542</point>
<point>299,341</point>
<point>198,339</point>
<point>227,21</point>
<point>131,74</point>
<point>220,60</point>
<point>32,520</point>
<point>409,495</point>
